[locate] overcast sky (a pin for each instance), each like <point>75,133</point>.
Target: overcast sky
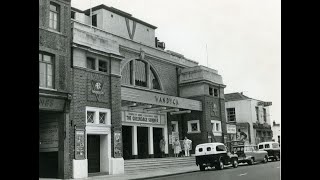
<point>243,38</point>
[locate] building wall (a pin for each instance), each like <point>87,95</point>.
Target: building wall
<point>276,130</point>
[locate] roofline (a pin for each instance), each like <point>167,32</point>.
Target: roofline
<point>77,10</point>
<point>119,12</point>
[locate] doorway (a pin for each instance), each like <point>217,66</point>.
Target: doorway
<point>142,138</point>
<point>157,135</point>
<point>48,164</point>
<point>93,153</point>
<point>127,142</point>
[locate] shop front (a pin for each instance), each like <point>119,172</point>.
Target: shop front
<point>53,149</point>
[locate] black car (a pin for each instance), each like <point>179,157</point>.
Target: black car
<point>214,154</point>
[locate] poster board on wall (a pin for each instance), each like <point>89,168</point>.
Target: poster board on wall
<point>117,144</point>
<point>79,144</point>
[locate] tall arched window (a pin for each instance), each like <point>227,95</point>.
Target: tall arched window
<point>140,73</point>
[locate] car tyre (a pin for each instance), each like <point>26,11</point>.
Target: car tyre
<point>265,159</point>
<point>250,162</point>
<point>219,165</point>
<point>202,168</point>
<point>235,163</point>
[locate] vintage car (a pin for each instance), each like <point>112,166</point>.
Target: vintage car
<point>250,154</point>
<point>214,155</point>
<point>272,148</point>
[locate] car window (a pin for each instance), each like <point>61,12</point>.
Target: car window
<point>261,146</point>
<point>275,145</point>
<point>200,149</point>
<point>220,148</point>
<point>255,148</point>
<point>267,146</point>
<point>208,148</point>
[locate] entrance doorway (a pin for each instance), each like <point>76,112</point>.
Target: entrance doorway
<point>48,162</point>
<point>157,136</point>
<point>127,142</point>
<point>93,153</point>
<point>142,138</point>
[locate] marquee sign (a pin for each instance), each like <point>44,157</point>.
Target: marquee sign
<point>142,118</point>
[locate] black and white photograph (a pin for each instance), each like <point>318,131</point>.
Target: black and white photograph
<point>160,89</point>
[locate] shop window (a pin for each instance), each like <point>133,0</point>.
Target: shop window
<point>54,16</point>
<point>90,117</point>
<point>193,126</point>
<point>136,73</point>
<point>96,116</point>
<point>46,70</point>
<point>231,114</point>
<point>103,66</point>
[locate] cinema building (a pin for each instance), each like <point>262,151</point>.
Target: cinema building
<point>129,92</point>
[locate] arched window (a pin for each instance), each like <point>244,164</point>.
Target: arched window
<point>140,73</point>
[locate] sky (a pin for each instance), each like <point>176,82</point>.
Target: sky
<point>241,39</point>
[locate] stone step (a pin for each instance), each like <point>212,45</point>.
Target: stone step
<point>159,160</point>
<point>132,170</point>
<point>160,164</point>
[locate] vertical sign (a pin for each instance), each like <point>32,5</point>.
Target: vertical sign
<point>117,145</point>
<point>79,144</point>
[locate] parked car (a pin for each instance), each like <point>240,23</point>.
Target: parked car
<point>250,154</point>
<point>273,149</point>
<point>214,154</point>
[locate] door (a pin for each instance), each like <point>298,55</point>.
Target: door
<point>127,142</point>
<point>93,153</point>
<point>142,138</point>
<point>157,135</point>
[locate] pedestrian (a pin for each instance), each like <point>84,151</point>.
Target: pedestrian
<point>162,146</point>
<point>186,144</point>
<point>177,147</point>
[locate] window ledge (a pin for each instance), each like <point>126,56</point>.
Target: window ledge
<point>49,89</point>
<point>193,132</point>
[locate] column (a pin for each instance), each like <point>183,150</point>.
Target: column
<point>165,134</point>
<point>150,143</point>
<point>134,142</point>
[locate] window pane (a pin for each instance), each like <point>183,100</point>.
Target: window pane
<point>49,75</point>
<point>102,118</point>
<point>126,74</point>
<point>40,57</point>
<point>194,127</point>
<point>217,127</point>
<point>91,63</point>
<point>154,80</point>
<point>90,117</point>
<point>53,7</point>
<point>140,73</point>
<point>46,58</point>
<point>102,66</point>
<point>42,75</point>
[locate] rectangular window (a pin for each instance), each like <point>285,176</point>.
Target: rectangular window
<point>54,16</point>
<point>257,113</point>
<point>94,20</point>
<point>102,117</point>
<point>91,63</point>
<point>193,126</point>
<point>90,117</point>
<point>231,114</point>
<point>215,92</point>
<point>73,14</point>
<point>264,114</point>
<point>103,66</point>
<point>217,127</point>
<point>46,70</point>
<point>210,91</point>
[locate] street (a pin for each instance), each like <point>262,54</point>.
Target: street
<point>268,171</point>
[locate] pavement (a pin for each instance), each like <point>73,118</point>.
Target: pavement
<point>143,174</point>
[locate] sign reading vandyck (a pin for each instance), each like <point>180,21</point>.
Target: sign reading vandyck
<point>142,117</point>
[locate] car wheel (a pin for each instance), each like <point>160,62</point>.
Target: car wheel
<point>202,168</point>
<point>265,159</point>
<point>235,163</point>
<point>219,165</point>
<point>250,162</point>
<point>277,158</point>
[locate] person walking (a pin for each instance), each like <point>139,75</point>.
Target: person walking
<point>162,146</point>
<point>177,147</point>
<point>186,145</point>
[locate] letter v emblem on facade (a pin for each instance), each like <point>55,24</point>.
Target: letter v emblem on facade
<point>131,33</point>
